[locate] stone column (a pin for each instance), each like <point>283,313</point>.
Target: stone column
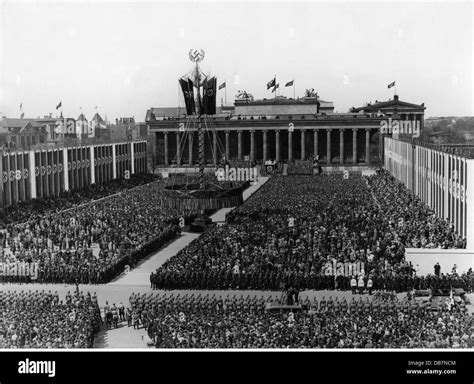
<point>367,146</point>
<point>328,145</point>
<point>166,148</point>
<point>264,145</point>
<point>227,145</point>
<point>354,146</point>
<point>341,145</point>
<point>315,143</point>
<point>290,145</point>
<point>303,154</point>
<point>190,147</point>
<point>252,145</point>
<point>239,145</point>
<point>214,147</point>
<point>178,148</point>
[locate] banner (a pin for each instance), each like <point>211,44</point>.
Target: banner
<point>209,96</point>
<point>188,94</point>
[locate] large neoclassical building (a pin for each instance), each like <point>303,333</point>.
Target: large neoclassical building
<point>278,129</point>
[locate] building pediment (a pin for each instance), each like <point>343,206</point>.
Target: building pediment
<point>28,128</point>
<point>391,105</point>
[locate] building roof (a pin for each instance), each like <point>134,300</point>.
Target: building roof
<point>127,120</point>
<point>97,118</point>
<point>82,117</point>
<point>165,112</point>
<point>284,101</point>
<point>396,103</point>
<point>16,126</point>
<point>14,123</point>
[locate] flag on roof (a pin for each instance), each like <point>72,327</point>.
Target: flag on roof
<point>271,83</point>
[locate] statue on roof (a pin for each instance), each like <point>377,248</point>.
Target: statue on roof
<point>244,95</point>
<point>310,93</point>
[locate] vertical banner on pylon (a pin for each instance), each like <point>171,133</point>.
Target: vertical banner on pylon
<point>20,177</point>
<point>104,165</point>
<point>37,175</point>
<point>57,177</point>
<point>12,177</point>
<point>98,173</point>
<point>68,167</point>
<point>62,185</point>
<point>79,168</point>
<point>26,175</point>
<point>114,161</point>
<point>49,173</point>
<point>44,181</point>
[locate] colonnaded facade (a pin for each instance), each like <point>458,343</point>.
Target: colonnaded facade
<point>279,129</point>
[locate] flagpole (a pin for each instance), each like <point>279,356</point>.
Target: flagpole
<point>225,92</point>
<point>276,90</point>
<point>294,98</point>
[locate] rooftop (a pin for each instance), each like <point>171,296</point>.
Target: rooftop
<point>396,103</point>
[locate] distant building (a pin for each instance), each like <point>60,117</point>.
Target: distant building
<point>100,128</point>
<point>21,133</point>
<point>125,128</point>
<point>396,109</point>
<point>83,128</point>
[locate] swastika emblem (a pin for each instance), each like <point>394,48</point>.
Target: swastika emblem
<point>196,56</point>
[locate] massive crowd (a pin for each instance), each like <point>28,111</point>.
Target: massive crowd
<point>36,208</point>
<point>94,242</point>
<point>205,321</point>
<point>41,320</point>
<point>294,226</point>
<point>408,219</point>
<point>300,167</point>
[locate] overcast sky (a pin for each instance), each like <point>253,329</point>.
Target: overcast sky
<point>125,57</point>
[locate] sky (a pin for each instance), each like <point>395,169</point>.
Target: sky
<point>124,57</point>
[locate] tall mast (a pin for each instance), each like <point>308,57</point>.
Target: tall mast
<point>200,131</point>
<point>196,56</point>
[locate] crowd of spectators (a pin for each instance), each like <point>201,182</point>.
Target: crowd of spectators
<point>205,321</point>
<point>36,319</point>
<point>94,242</point>
<point>36,208</point>
<point>300,167</point>
<point>411,221</point>
<point>293,226</point>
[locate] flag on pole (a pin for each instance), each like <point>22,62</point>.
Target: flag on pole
<point>22,115</point>
<point>290,83</point>
<point>21,105</point>
<point>222,85</point>
<point>391,85</point>
<point>275,87</point>
<point>59,105</point>
<point>271,83</point>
